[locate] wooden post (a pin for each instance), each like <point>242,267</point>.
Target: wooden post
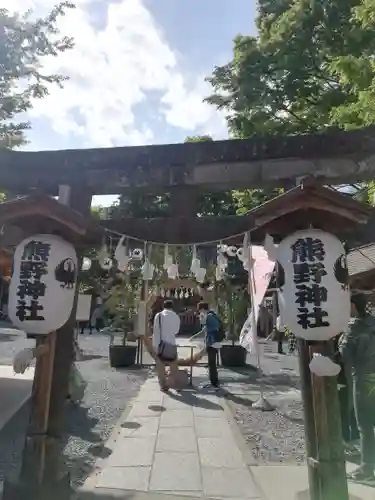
<point>309,419</point>
<point>34,454</point>
<point>330,452</point>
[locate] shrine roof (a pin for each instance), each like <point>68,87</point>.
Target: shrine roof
<point>259,162</point>
<point>38,212</point>
<point>361,260</point>
<point>307,194</point>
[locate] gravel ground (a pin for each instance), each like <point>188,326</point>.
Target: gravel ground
<point>89,425</point>
<point>275,437</point>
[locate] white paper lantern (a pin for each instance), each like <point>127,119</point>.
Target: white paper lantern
<point>137,254</point>
<point>241,254</point>
<point>231,251</point>
<point>42,288</point>
<point>314,292</point>
<point>107,264</point>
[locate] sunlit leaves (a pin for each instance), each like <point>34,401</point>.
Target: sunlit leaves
<point>24,43</point>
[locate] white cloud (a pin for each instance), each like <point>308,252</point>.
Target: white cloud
<point>111,71</point>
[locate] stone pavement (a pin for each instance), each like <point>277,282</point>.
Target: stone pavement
<point>179,444</point>
<point>187,445</point>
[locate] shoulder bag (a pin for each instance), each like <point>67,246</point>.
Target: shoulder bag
<point>166,351</point>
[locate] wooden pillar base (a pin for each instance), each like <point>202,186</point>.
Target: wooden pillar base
<point>305,495</point>
<point>60,489</point>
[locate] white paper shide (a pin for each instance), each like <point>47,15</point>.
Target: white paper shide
<point>42,288</point>
<point>313,280</point>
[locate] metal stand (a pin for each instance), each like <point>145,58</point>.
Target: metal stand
<point>262,404</point>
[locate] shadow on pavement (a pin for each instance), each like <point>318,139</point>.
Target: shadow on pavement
<point>9,337</point>
<point>189,398</point>
<point>14,392</point>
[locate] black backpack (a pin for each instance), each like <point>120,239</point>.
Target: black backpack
<point>220,334</point>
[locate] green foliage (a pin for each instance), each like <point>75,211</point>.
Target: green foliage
<point>311,67</point>
<point>23,45</point>
<point>198,138</point>
<point>233,303</point>
<point>123,302</point>
<point>252,198</point>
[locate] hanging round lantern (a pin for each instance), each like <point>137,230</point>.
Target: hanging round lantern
<point>137,254</point>
<point>106,264</point>
<point>241,254</point>
<point>231,251</point>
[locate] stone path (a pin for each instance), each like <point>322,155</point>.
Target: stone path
<point>178,444</point>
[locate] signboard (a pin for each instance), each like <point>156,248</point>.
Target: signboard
<point>261,275</point>
<point>314,292</point>
<point>43,284</point>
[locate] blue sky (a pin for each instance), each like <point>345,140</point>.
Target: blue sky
<point>136,74</point>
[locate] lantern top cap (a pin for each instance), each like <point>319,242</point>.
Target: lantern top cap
<point>309,188</point>
<point>311,200</point>
<point>40,213</point>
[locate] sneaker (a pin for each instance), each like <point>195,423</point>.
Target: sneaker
<point>164,389</point>
<point>351,451</point>
<point>362,473</point>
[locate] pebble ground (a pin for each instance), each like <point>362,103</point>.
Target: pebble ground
<point>89,425</point>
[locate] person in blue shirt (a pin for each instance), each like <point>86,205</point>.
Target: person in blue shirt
<point>211,326</point>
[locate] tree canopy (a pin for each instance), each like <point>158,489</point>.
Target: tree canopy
<point>311,67</point>
<point>24,43</point>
